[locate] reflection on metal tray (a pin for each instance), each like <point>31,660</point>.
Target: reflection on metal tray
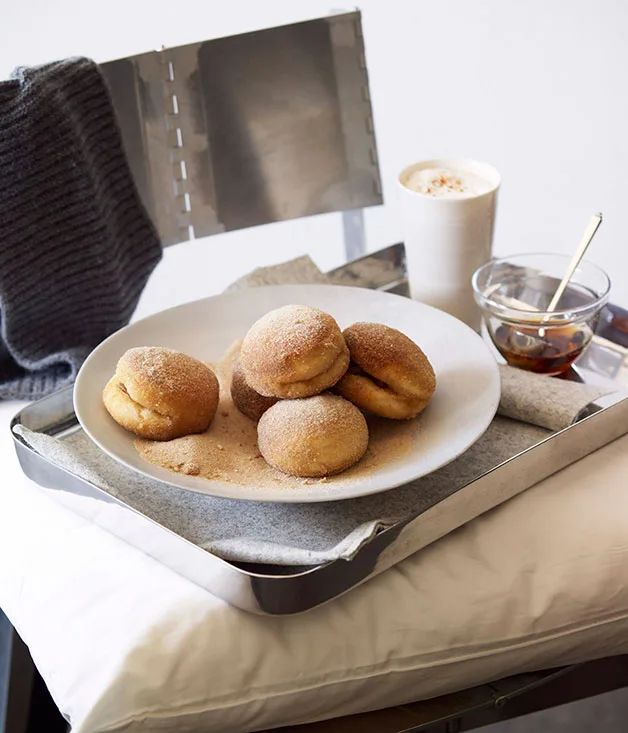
<point>255,128</point>
<point>286,590</point>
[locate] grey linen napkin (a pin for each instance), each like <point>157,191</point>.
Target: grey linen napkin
<point>307,534</point>
<point>76,245</point>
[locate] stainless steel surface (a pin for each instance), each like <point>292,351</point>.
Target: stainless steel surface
<point>250,129</point>
<point>381,270</point>
<point>280,590</point>
<point>354,234</point>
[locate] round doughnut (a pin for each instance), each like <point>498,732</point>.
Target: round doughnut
<point>292,352</point>
<point>161,394</point>
<point>313,437</point>
<point>389,375</point>
<point>245,398</point>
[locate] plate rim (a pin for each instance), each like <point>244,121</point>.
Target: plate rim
<point>269,495</point>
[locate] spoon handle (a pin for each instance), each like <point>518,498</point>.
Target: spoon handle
<point>588,235</point>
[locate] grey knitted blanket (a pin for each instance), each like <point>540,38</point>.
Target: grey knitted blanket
<point>76,245</point>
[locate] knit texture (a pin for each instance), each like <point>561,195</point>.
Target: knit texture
<point>76,245</point>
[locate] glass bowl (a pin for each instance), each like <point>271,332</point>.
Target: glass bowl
<point>514,294</point>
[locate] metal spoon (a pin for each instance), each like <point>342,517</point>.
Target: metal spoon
<point>589,233</point>
<point>532,343</point>
<point>587,237</point>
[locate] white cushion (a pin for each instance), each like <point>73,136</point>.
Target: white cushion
<point>125,644</point>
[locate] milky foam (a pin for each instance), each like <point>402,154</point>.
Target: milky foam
<point>447,183</point>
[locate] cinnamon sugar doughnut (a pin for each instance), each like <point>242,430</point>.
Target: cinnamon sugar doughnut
<point>245,398</point>
<point>312,437</point>
<point>292,352</point>
<point>161,394</point>
<point>389,375</point>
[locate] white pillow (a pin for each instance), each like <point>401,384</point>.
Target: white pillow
<point>125,644</point>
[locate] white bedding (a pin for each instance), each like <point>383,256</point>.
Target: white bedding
<point>124,644</point>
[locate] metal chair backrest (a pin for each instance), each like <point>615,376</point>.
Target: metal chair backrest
<point>251,129</point>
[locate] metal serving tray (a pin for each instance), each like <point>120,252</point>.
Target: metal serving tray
<point>277,590</point>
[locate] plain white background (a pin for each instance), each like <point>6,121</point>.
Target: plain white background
<point>537,88</point>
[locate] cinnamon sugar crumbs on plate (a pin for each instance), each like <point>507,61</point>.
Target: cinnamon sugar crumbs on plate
<point>228,451</point>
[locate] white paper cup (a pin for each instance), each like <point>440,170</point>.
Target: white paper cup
<point>447,239</point>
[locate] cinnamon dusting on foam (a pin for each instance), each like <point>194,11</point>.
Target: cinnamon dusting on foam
<point>445,183</point>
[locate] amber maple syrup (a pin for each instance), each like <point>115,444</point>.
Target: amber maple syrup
<point>549,350</point>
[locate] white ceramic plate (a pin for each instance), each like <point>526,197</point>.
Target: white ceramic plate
<point>463,405</point>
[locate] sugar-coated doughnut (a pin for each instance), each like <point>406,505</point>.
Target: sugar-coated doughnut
<point>245,398</point>
<point>389,375</point>
<point>161,394</point>
<point>293,352</point>
<point>313,437</point>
